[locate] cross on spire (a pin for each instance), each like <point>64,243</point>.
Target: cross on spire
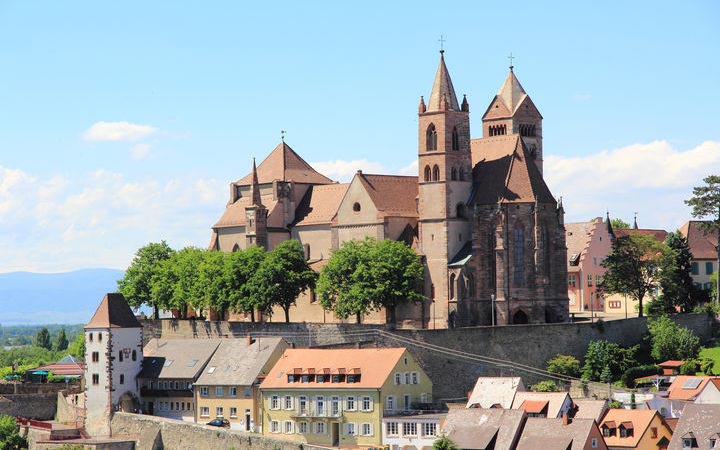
<point>282,135</point>
<point>511,57</point>
<point>441,41</point>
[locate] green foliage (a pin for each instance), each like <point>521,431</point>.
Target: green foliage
<point>42,339</point>
<point>690,367</point>
<point>238,270</point>
<point>369,275</point>
<point>706,365</point>
<point>606,361</point>
<point>444,443</point>
<point>669,341</point>
<point>628,377</point>
<point>137,284</point>
<point>619,223</point>
<point>564,365</point>
<point>705,203</point>
<point>18,335</point>
<point>615,405</point>
<point>712,309</point>
<point>545,386</point>
<point>676,283</point>
<point>61,342</point>
<point>77,347</point>
<point>633,267</point>
<point>33,356</point>
<point>10,439</point>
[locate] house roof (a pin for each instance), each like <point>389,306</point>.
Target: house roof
<point>671,363</point>
<point>534,406</point>
<point>686,387</point>
<point>701,242</point>
<point>373,364</point>
<point>658,235</point>
<point>637,419</point>
<point>68,366</point>
<point>505,173</point>
<point>237,363</point>
<point>577,238</point>
<point>234,214</point>
<point>550,434</point>
<point>588,408</point>
<point>283,164</point>
<point>442,89</point>
<point>113,312</point>
<point>489,391</point>
<point>475,428</point>
<point>320,204</point>
<point>555,401</point>
<point>176,358</point>
<point>703,421</point>
<point>392,195</point>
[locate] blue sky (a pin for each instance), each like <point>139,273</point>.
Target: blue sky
<point>122,123</point>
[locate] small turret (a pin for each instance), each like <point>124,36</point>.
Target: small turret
<point>422,108</point>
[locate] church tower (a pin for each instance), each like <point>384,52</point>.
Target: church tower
<point>445,181</point>
<point>513,112</point>
<point>256,215</point>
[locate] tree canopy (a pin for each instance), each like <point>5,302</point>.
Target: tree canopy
<point>619,223</point>
<point>368,275</point>
<point>136,285</point>
<point>61,343</point>
<point>444,443</point>
<point>676,283</point>
<point>606,361</point>
<point>238,270</point>
<point>42,339</point>
<point>564,365</point>
<point>670,341</point>
<point>633,267</point>
<point>705,203</point>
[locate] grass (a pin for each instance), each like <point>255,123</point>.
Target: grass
<point>712,352</point>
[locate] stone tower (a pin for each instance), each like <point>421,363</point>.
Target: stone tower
<point>513,112</point>
<point>113,357</point>
<point>445,182</point>
<point>256,215</point>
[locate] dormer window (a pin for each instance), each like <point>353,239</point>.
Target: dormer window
<point>431,138</point>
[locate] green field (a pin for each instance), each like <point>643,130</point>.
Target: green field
<point>712,352</point>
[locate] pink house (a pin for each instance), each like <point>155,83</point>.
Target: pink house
<point>588,244</point>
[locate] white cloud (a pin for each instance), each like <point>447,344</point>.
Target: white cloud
<point>117,131</point>
<point>344,170</point>
<point>140,151</point>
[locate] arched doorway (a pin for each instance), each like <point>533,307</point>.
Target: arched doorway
<point>520,317</point>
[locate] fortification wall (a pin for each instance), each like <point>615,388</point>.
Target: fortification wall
<point>32,406</point>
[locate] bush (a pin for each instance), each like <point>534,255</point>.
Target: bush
<point>690,367</point>
<point>545,386</point>
<point>669,341</point>
<point>628,377</point>
<point>564,365</point>
<point>615,405</point>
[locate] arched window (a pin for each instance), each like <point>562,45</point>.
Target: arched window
<point>519,257</point>
<point>235,248</point>
<point>453,174</point>
<point>431,138</point>
<point>455,139</point>
<point>462,174</point>
<point>520,317</point>
<point>460,210</point>
<point>436,173</point>
<point>427,173</point>
<point>356,207</point>
<point>452,286</point>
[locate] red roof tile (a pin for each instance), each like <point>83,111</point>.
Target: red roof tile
<point>701,242</point>
<point>393,195</point>
<point>113,312</point>
<point>284,164</point>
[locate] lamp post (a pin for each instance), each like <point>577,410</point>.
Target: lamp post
<point>492,311</point>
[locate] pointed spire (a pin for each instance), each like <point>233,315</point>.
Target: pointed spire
<point>465,105</point>
<point>608,224</point>
<point>422,108</point>
<point>255,187</point>
<point>442,89</point>
<point>512,93</point>
<point>635,227</point>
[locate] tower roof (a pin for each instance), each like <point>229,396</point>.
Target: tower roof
<point>283,164</point>
<point>113,312</point>
<point>255,187</point>
<point>442,89</point>
<point>512,93</point>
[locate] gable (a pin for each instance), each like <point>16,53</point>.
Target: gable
<point>527,108</point>
<point>496,110</point>
<point>356,196</point>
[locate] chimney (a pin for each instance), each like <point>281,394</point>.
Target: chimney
<point>249,340</point>
<point>566,419</point>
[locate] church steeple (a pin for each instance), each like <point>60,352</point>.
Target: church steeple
<point>255,187</point>
<point>442,90</point>
<point>255,215</point>
<point>512,93</point>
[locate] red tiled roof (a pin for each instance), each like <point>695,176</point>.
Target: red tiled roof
<point>671,363</point>
<point>234,214</point>
<point>284,164</point>
<point>533,406</point>
<point>658,235</point>
<point>320,204</point>
<point>113,312</point>
<point>701,242</point>
<point>393,195</point>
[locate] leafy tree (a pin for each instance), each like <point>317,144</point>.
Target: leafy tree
<point>705,203</point>
<point>282,276</point>
<point>690,367</point>
<point>619,223</point>
<point>176,282</point>
<point>211,285</point>
<point>370,275</point>
<point>633,267</point>
<point>42,339</point>
<point>10,439</point>
<point>669,341</point>
<point>615,405</point>
<point>545,386</point>
<point>137,285</point>
<point>444,443</point>
<point>676,280</point>
<point>77,347</point>
<point>239,269</point>
<point>564,365</point>
<point>61,342</point>
<point>706,365</point>
<point>605,360</point>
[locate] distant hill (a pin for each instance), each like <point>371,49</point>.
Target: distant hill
<point>28,298</point>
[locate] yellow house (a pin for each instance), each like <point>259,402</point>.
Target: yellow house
<point>338,397</point>
<point>639,429</point>
<point>227,388</point>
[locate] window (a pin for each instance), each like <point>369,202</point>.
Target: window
<point>320,405</point>
<point>597,280</point>
<point>695,271</point>
<point>289,429</point>
<point>95,356</point>
<point>653,432</point>
<point>350,429</point>
<point>436,173</point>
<point>407,377</point>
<point>288,402</point>
<point>204,391</point>
<point>218,391</point>
<point>120,356</point>
<point>274,402</point>
<point>367,404</point>
<point>322,378</point>
<point>134,355</point>
<point>415,377</point>
<point>519,257</point>
<point>709,268</point>
<point>407,401</point>
<point>319,427</point>
<point>398,378</point>
<point>303,427</point>
<point>429,429</point>
<point>233,412</point>
<point>204,411</point>
<point>350,403</point>
<point>96,378</point>
<point>90,336</point>
<point>391,428</point>
<point>337,378</point>
<point>353,378</point>
<point>409,429</point>
<point>431,138</point>
<point>428,177</point>
<point>335,406</point>
<point>625,432</point>
<point>356,207</point>
<point>218,411</point>
<point>713,442</point>
<point>99,337</point>
<point>366,429</point>
<point>122,378</point>
<point>274,426</point>
<point>614,304</point>
<point>424,398</point>
<point>248,392</point>
<point>571,280</point>
<point>589,280</point>
<point>455,139</point>
<point>453,174</point>
<point>461,176</point>
<point>390,403</point>
<point>302,405</point>
<point>177,385</point>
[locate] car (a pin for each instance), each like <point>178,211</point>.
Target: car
<point>219,422</point>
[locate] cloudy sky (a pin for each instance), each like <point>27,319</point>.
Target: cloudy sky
<point>122,123</point>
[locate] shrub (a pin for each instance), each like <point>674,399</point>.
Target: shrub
<point>545,386</point>
<point>690,367</point>
<point>564,365</point>
<point>628,377</point>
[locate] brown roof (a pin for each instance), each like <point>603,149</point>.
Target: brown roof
<point>234,214</point>
<point>442,89</point>
<point>638,419</point>
<point>489,391</point>
<point>284,164</point>
<point>686,387</point>
<point>658,235</point>
<point>375,366</point>
<point>701,242</point>
<point>703,421</point>
<point>504,172</point>
<point>671,363</point>
<point>392,195</point>
<point>237,363</point>
<point>555,401</point>
<point>534,406</point>
<point>320,204</point>
<point>549,434</point>
<point>588,408</point>
<point>475,428</point>
<point>113,312</point>
<point>176,358</point>
<point>577,238</point>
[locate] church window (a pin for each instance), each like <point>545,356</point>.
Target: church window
<point>453,174</point>
<point>120,355</point>
<point>462,174</point>
<point>356,207</point>
<point>460,211</point>
<point>431,138</point>
<point>519,257</point>
<point>452,286</point>
<point>306,250</point>
<point>427,178</point>
<point>122,378</point>
<point>455,139</point>
<point>134,355</point>
<point>436,173</point>
<point>520,317</point>
<point>235,248</point>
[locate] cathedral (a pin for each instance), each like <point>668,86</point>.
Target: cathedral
<point>479,214</point>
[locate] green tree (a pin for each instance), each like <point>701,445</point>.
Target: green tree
<point>176,284</point>
<point>705,203</point>
<point>606,361</point>
<point>564,365</point>
<point>370,275</point>
<point>669,341</point>
<point>42,339</point>
<point>281,277</point>
<point>545,386</point>
<point>676,281</point>
<point>10,439</point>
<point>211,286</point>
<point>619,223</point>
<point>77,347</point>
<point>444,443</point>
<point>136,286</point>
<point>239,269</point>
<point>61,343</point>
<point>633,267</point>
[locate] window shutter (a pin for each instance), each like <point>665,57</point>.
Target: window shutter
<point>372,430</point>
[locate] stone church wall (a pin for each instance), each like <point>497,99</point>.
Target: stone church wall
<point>452,376</point>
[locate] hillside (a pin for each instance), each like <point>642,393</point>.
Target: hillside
<point>65,298</point>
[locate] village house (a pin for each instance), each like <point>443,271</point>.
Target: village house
<point>484,429</point>
<point>710,394</point>
<point>699,427</point>
<point>588,244</point>
<point>703,246</point>
<point>639,429</point>
<point>565,434</point>
<point>552,405</point>
<point>686,387</point>
<point>417,429</point>
<point>494,392</point>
